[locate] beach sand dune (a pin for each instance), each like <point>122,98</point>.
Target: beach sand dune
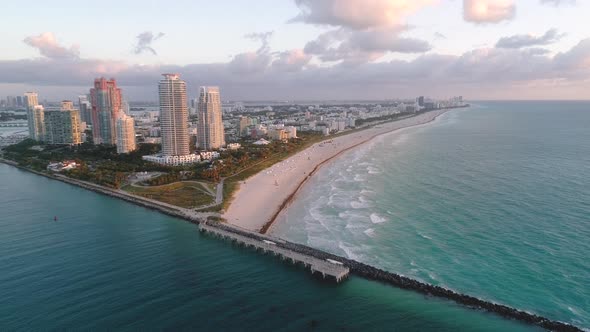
<point>260,197</point>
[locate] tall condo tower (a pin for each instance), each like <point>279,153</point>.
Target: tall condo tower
<point>210,131</point>
<point>173,116</point>
<point>125,134</point>
<point>106,105</point>
<point>35,116</point>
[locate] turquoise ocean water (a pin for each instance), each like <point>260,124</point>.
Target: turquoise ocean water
<point>106,264</point>
<point>492,201</point>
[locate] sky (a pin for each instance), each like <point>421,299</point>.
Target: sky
<point>300,49</point>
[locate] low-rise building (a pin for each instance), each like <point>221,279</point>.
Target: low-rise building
<point>173,160</point>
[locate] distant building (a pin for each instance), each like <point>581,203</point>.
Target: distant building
<point>245,122</point>
<point>421,101</point>
<point>210,132</point>
<point>85,109</point>
<point>125,134</point>
<point>62,127</point>
<point>106,101</point>
<point>31,100</point>
<point>173,116</point>
<point>36,119</point>
<point>35,116</point>
<point>67,105</point>
<point>234,146</point>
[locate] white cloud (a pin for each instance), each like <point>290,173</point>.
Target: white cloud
<point>488,11</point>
<point>356,14</point>
<point>48,46</point>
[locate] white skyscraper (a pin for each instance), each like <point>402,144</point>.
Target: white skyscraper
<point>35,116</point>
<point>173,116</point>
<point>125,134</point>
<point>210,132</point>
<point>31,100</point>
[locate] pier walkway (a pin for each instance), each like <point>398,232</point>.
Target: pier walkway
<point>333,269</point>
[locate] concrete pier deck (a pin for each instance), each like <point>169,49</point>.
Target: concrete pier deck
<point>328,268</point>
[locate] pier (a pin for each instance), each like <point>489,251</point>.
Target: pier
<point>327,268</point>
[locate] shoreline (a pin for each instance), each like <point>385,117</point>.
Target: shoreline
<point>285,205</point>
<point>262,198</point>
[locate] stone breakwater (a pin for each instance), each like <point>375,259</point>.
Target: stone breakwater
<point>376,274</point>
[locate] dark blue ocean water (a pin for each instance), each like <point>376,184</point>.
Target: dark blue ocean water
<point>493,201</point>
<point>106,264</point>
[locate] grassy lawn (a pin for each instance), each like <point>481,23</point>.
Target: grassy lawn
<point>183,194</point>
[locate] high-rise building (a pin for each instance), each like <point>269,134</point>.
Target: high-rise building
<point>125,134</point>
<point>421,101</point>
<point>62,127</point>
<point>19,101</point>
<point>245,122</point>
<point>35,116</point>
<point>173,116</point>
<point>31,100</point>
<point>210,132</point>
<point>85,109</point>
<point>10,101</point>
<point>125,107</point>
<point>106,105</point>
<point>36,119</point>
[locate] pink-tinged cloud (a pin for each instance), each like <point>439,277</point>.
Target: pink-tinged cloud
<point>488,11</point>
<point>49,47</point>
<point>357,14</point>
<point>292,61</point>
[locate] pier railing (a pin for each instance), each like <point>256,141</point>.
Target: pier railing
<point>333,269</point>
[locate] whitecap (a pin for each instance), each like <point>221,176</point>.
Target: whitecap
<point>425,236</point>
<point>348,252</point>
<point>359,205</point>
<point>370,232</point>
<point>377,219</point>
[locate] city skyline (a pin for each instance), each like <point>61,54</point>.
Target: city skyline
<point>311,50</point>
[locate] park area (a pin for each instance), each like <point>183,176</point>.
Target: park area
<point>186,194</point>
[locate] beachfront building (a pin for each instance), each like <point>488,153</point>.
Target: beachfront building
<point>281,133</point>
<point>210,132</point>
<point>106,100</point>
<point>173,124</point>
<point>35,116</point>
<point>125,134</point>
<point>173,116</point>
<point>62,127</point>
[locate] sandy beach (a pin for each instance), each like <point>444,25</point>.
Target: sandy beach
<point>261,198</point>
